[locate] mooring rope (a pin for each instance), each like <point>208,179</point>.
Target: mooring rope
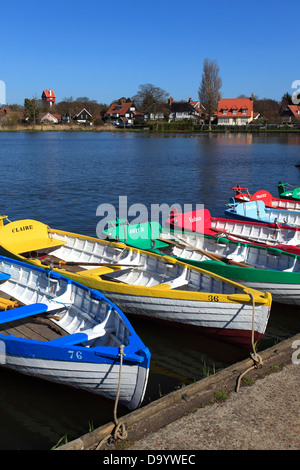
<point>255,357</point>
<point>119,431</point>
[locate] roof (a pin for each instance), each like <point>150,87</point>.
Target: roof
<point>182,107</point>
<point>49,117</point>
<point>185,106</point>
<point>237,104</point>
<point>120,109</point>
<point>48,93</point>
<point>84,109</point>
<point>294,109</point>
<point>200,108</point>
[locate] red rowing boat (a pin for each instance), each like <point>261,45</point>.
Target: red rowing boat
<point>243,195</point>
<point>278,236</point>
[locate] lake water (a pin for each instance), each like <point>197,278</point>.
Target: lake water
<point>62,178</point>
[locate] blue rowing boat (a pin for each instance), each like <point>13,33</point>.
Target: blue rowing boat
<point>256,211</point>
<point>57,329</point>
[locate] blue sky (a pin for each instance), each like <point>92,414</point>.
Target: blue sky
<point>105,49</point>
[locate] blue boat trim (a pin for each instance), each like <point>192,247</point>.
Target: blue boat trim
<point>22,312</point>
<point>57,350</point>
<point>134,352</point>
<point>4,277</point>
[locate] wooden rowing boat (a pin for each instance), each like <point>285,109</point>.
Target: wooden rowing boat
<point>284,193</point>
<point>261,267</point>
<point>275,235</point>
<point>143,283</point>
<point>284,202</point>
<point>57,329</point>
<point>256,211</point>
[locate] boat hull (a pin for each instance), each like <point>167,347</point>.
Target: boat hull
<point>255,211</point>
<point>163,289</point>
<point>284,202</point>
<point>275,271</point>
<point>219,319</point>
<point>283,286</point>
<point>278,236</point>
<point>84,352</point>
<point>98,378</point>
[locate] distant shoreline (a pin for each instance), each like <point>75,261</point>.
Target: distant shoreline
<point>95,129</point>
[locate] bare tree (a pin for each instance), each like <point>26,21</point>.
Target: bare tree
<point>209,90</point>
<point>150,99</point>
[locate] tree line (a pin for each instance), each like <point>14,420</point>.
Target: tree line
<point>151,99</point>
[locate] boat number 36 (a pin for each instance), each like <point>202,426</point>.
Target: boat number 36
<point>213,298</point>
<point>75,354</point>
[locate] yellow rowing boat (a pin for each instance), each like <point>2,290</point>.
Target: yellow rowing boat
<point>143,283</point>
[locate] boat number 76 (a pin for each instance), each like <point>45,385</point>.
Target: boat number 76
<point>78,354</point>
<point>213,298</point>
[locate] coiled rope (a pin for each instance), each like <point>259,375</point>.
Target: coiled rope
<point>257,359</point>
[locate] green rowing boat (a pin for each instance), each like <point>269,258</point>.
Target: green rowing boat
<point>263,268</point>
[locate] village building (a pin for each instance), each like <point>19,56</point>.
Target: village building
<point>48,97</point>
<point>83,116</point>
<point>185,110</point>
<point>51,118</point>
<point>235,112</point>
<point>290,113</point>
<point>122,113</point>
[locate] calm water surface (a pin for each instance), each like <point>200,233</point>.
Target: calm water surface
<point>61,179</point>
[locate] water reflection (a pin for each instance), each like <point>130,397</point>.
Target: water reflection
<point>61,178</point>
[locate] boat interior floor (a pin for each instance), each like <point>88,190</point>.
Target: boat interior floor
<point>36,327</point>
<point>48,259</point>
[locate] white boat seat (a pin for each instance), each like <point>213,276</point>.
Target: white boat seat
<point>64,300</point>
<point>85,335</point>
<point>82,336</point>
<point>179,281</point>
<point>116,275</point>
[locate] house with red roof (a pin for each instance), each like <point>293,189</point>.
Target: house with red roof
<point>290,113</point>
<point>54,118</point>
<point>122,113</point>
<point>48,96</point>
<point>235,111</point>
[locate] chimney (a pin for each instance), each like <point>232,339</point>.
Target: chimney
<point>171,101</point>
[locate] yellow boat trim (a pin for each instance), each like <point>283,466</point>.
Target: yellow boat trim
<point>164,291</point>
<point>23,236</point>
<point>10,239</point>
